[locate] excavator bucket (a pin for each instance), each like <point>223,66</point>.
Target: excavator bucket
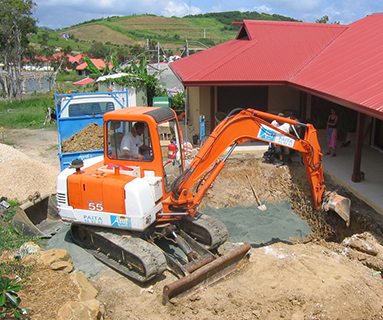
<point>38,216</point>
<point>209,274</point>
<point>339,204</point>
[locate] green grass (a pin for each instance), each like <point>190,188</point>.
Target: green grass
<point>68,76</point>
<point>26,113</point>
<point>9,238</point>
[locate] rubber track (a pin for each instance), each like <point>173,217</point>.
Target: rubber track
<point>129,255</point>
<point>212,230</point>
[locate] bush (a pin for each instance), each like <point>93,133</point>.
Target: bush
<point>9,299</point>
<point>179,101</point>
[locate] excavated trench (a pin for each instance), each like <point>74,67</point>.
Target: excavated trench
<point>285,192</point>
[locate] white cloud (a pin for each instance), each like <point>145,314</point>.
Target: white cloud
<point>179,9</point>
<point>263,8</point>
<point>217,8</point>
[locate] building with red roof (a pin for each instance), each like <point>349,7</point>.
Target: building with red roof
<point>81,69</point>
<point>308,68</point>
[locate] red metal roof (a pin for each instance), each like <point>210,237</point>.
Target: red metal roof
<point>264,51</point>
<point>83,81</point>
<point>342,63</point>
<point>70,58</point>
<point>350,70</point>
<point>99,63</point>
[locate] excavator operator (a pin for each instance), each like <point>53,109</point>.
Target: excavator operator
<point>131,144</point>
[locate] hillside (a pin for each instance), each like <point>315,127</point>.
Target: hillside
<point>210,28</point>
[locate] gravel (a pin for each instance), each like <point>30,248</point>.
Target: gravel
<point>22,176</point>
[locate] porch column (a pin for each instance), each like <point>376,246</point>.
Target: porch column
<point>356,176</point>
<point>212,109</point>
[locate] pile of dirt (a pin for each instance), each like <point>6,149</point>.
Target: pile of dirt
<point>22,176</point>
<point>89,138</point>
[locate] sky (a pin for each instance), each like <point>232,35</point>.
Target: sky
<point>57,14</point>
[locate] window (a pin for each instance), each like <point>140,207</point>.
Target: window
<point>90,108</point>
<point>129,140</point>
<point>172,155</point>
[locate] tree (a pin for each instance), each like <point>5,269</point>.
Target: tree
<point>16,24</point>
<point>61,63</point>
<point>99,50</point>
<point>325,19</point>
<point>43,38</point>
<point>137,75</point>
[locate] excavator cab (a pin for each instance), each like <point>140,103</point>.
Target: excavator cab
<point>159,144</point>
<point>124,134</point>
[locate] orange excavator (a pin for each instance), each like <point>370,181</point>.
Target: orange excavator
<point>135,207</point>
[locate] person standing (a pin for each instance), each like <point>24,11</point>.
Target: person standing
<point>282,152</point>
<point>332,123</point>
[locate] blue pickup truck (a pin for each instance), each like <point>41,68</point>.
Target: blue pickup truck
<point>76,110</point>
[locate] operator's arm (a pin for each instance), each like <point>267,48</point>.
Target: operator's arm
<point>131,155</point>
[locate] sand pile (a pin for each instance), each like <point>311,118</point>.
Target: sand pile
<point>22,176</point>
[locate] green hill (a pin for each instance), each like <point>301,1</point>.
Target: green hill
<point>171,33</point>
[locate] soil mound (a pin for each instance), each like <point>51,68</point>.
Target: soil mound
<point>89,138</point>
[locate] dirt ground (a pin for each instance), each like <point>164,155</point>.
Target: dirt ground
<point>332,274</point>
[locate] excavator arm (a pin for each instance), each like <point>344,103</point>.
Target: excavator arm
<point>240,126</point>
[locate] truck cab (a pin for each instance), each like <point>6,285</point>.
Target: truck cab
<point>88,105</point>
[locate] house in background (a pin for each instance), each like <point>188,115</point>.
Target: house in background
<point>39,63</point>
<point>294,66</point>
<point>73,61</point>
<point>81,69</point>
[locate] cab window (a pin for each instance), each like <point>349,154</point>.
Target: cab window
<point>171,151</point>
<point>129,140</point>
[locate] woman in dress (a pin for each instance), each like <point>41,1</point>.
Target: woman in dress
<point>332,123</point>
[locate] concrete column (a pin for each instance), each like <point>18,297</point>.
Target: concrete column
<point>356,174</point>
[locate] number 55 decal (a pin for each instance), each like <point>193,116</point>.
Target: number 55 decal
<point>95,206</point>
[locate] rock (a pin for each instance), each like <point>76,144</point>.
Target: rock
<point>64,266</point>
<point>29,248</point>
<point>30,259</point>
<point>53,255</point>
<point>364,242</point>
<point>88,310</point>
<point>87,291</point>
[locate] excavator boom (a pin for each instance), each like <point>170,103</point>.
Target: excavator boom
<point>243,125</point>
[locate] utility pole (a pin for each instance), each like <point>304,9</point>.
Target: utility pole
<point>187,47</point>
